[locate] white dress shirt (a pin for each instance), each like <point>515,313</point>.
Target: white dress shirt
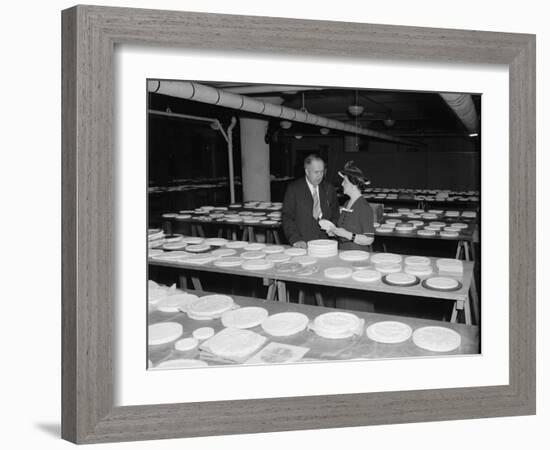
<point>314,189</point>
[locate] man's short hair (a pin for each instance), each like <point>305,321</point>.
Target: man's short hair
<point>313,157</point>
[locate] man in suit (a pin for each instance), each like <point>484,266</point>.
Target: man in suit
<point>307,200</point>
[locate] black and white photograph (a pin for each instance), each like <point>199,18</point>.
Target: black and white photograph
<point>275,225</point>
<point>296,224</point>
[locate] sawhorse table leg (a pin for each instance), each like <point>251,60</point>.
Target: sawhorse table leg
<point>462,305</point>
<point>196,283</point>
<point>463,246</point>
<point>271,289</point>
<point>281,291</point>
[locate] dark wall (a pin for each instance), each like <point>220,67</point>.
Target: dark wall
<point>442,163</point>
<point>426,170</point>
<point>181,149</point>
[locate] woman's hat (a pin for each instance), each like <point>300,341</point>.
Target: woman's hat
<point>355,174</point>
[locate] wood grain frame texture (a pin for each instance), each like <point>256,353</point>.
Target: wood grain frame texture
<point>89,37</point>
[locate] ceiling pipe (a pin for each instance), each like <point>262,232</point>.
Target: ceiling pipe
<point>190,90</point>
<point>464,108</point>
<point>264,88</point>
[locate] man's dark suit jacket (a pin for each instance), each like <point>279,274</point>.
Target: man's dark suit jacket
<point>298,221</point>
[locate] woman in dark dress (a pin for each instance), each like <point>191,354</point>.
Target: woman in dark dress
<point>355,231</point>
<point>355,228</point>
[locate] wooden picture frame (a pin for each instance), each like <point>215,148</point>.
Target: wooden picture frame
<point>90,34</point>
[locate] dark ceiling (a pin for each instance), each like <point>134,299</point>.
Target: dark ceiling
<point>416,114</point>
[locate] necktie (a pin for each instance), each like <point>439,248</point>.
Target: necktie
<point>316,204</point>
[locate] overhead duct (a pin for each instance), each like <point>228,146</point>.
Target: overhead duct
<point>190,90</point>
<point>464,108</point>
<point>265,88</point>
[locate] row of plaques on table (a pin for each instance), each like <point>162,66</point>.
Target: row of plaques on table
<point>237,341</point>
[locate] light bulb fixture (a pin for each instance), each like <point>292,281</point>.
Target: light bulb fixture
<point>324,131</point>
<point>285,124</point>
<point>473,134</point>
<point>214,125</point>
<point>389,121</point>
<point>356,110</point>
<point>298,136</point>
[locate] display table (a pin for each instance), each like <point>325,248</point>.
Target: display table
<point>247,231</point>
<point>226,227</point>
<point>277,281</point>
<point>465,238</point>
<point>321,349</point>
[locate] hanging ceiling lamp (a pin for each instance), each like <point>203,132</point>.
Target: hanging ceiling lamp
<point>324,131</point>
<point>285,124</point>
<point>356,109</point>
<point>389,121</point>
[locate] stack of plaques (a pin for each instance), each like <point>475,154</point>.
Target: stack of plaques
<point>216,242</point>
<point>436,339</point>
<point>255,246</point>
<point>389,332</point>
<point>366,276</point>
<point>162,333</point>
<point>224,252</point>
<point>386,258</point>
<point>209,307</point>
<point>404,227</point>
<point>400,279</point>
<point>176,302</point>
<point>228,261</point>
<point>252,255</point>
<point>257,264</point>
<point>418,265</point>
<point>197,248</point>
<point>236,244</point>
<point>459,225</point>
<point>442,283</point>
<point>285,324</point>
<point>449,265</point>
<point>192,240</point>
<point>337,325</point>
<point>293,251</point>
<point>426,232</point>
<point>155,237</point>
<point>386,228</point>
<point>242,318</point>
<point>452,214</point>
<point>174,245</point>
<point>186,344</point>
<point>322,248</point>
<point>234,344</point>
<point>278,257</point>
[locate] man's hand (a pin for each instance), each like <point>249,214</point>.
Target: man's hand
<point>300,244</point>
